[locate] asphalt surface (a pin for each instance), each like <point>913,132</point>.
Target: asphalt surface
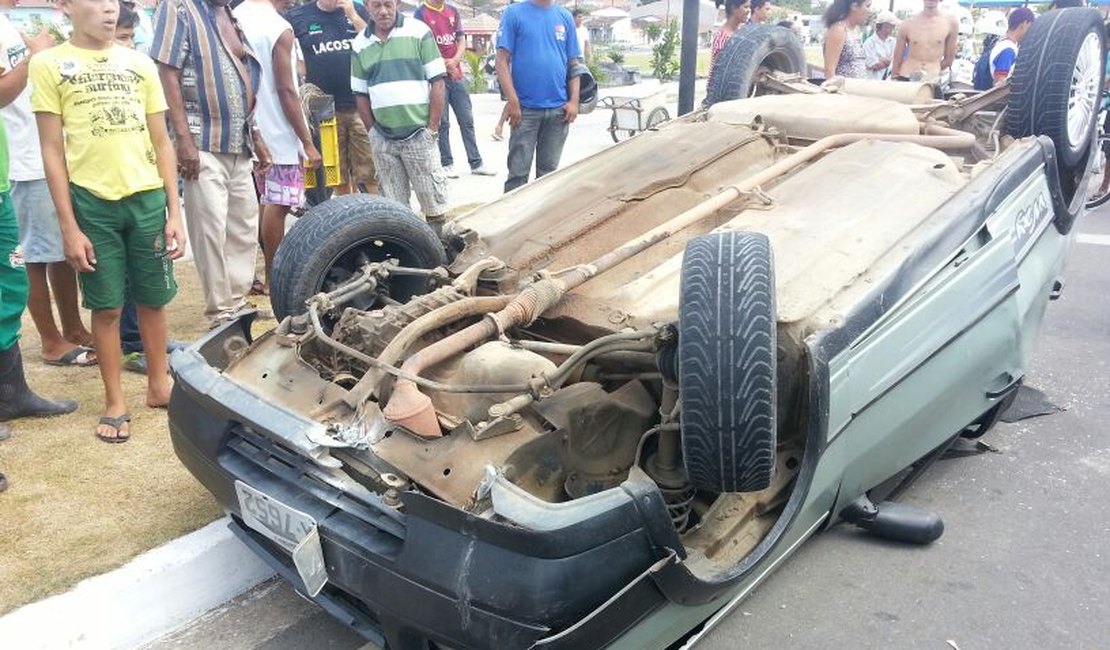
<point>1024,561</point>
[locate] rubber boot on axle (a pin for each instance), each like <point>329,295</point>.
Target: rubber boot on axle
<point>16,398</point>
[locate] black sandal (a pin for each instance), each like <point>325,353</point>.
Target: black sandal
<point>117,424</point>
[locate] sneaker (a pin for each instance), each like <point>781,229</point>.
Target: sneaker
<point>482,170</point>
<point>135,362</point>
<point>450,171</point>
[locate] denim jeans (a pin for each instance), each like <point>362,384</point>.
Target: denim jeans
<point>458,98</point>
<point>129,338</point>
<point>541,133</point>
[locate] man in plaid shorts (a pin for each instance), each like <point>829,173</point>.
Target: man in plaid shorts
<point>397,75</point>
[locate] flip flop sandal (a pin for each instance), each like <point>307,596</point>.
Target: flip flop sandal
<point>117,424</point>
<point>258,289</point>
<point>80,357</point>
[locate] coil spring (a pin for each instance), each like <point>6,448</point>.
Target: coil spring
<point>679,503</point>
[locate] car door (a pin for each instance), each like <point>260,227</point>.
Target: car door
<point>954,345</point>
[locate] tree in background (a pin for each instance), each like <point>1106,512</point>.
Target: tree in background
<point>653,31</point>
<point>664,54</point>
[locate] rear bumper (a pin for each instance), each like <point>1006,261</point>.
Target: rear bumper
<point>427,571</point>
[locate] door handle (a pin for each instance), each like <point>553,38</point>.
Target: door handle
<point>1011,384</point>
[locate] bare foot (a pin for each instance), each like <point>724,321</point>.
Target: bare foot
<point>158,393</point>
<point>80,337</point>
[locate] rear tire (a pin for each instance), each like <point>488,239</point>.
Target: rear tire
<point>749,52</point>
<point>657,116</point>
<point>727,362</point>
<point>334,239</point>
<point>1057,81</point>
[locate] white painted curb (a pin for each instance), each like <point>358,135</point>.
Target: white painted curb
<point>146,598</point>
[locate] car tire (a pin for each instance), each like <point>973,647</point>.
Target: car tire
<point>1056,83</point>
<point>726,362</point>
<point>751,50</point>
<point>334,239</point>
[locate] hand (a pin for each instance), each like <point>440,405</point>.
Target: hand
<point>188,158</point>
<point>571,112</point>
<point>454,70</point>
<point>79,252</point>
<point>312,157</point>
<point>263,161</point>
<point>39,41</point>
<point>885,63</point>
<point>175,238</point>
<point>514,113</point>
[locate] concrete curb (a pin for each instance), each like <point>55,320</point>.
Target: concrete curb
<point>146,598</point>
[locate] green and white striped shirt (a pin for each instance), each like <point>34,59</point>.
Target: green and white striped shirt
<point>396,74</point>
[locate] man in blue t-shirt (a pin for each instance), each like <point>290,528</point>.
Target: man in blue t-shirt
<point>536,45</point>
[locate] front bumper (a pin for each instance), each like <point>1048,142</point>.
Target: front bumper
<point>427,571</point>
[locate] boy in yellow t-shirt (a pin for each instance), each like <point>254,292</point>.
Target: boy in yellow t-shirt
<point>112,177</point>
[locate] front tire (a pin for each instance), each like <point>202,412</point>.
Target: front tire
<point>332,241</point>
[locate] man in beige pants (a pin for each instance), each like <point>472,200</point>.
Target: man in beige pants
<point>210,79</point>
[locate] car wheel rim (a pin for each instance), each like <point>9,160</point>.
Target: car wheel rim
<point>1085,78</point>
<point>351,260</point>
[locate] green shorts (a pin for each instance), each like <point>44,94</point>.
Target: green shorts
<point>129,241</point>
<point>13,277</point>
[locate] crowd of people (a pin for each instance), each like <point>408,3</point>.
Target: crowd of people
<point>919,49</point>
<point>107,125</point>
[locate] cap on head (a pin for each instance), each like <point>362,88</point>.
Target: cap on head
<point>887,18</point>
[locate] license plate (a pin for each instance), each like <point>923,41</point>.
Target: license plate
<point>289,528</point>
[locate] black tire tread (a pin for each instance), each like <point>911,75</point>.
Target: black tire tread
<point>1041,82</point>
<point>733,71</point>
<point>727,362</point>
<point>313,244</point>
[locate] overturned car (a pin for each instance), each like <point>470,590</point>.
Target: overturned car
<point>601,409</point>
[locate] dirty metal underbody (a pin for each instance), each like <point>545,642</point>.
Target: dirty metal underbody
<point>567,393</point>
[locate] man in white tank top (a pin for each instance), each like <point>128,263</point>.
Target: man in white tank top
<point>278,115</point>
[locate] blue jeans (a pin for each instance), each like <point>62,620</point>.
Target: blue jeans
<point>541,133</point>
<point>129,337</point>
<point>458,98</point>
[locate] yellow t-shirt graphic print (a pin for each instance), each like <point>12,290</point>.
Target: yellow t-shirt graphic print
<point>104,97</point>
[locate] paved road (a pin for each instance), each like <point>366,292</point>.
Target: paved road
<point>1024,561</point>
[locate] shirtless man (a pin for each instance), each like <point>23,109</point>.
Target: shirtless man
<point>931,36</point>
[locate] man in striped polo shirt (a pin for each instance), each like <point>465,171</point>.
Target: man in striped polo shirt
<point>397,76</point>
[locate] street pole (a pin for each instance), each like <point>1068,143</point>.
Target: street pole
<point>688,61</point>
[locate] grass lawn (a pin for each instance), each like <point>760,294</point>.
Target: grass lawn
<point>642,60</point>
<point>77,506</point>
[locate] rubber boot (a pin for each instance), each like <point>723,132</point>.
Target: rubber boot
<point>16,398</point>
<point>5,433</point>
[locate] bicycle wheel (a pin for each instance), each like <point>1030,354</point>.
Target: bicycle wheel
<point>1096,196</point>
